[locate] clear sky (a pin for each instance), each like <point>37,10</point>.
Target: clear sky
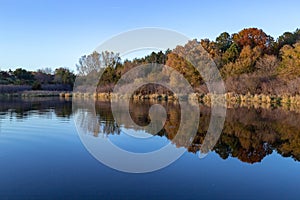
<point>48,33</point>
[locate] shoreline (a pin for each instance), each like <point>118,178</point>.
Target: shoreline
<point>231,98</point>
<point>286,101</point>
<point>34,93</point>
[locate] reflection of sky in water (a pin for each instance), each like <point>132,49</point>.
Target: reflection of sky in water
<point>138,145</point>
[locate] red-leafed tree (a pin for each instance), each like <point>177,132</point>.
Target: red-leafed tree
<point>253,37</point>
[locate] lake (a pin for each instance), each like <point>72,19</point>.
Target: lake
<point>42,156</point>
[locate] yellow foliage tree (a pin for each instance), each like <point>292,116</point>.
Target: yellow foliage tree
<point>290,64</point>
<point>245,63</point>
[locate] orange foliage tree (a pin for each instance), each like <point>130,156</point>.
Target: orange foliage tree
<point>253,37</point>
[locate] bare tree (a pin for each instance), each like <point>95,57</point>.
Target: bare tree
<point>267,65</point>
<point>96,62</point>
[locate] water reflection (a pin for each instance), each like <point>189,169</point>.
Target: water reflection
<point>25,108</point>
<point>249,134</point>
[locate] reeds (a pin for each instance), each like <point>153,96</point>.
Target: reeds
<point>228,99</point>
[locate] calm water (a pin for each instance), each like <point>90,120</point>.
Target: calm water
<point>41,155</point>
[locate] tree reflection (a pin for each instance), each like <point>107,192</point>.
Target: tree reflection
<point>23,108</point>
<point>249,134</point>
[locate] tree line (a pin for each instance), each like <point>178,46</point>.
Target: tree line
<point>250,61</point>
<point>59,79</point>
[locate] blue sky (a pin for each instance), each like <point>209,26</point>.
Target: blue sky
<point>37,34</point>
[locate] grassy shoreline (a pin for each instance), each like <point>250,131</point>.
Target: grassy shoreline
<point>231,99</point>
<point>33,93</point>
<point>285,102</point>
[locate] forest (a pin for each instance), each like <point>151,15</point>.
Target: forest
<point>250,61</point>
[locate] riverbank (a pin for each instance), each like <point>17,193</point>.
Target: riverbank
<point>228,99</point>
<point>33,93</point>
<point>206,98</point>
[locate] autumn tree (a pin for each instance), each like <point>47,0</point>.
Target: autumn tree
<point>253,37</point>
<point>290,64</point>
<point>245,63</point>
<point>185,68</point>
<point>211,47</point>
